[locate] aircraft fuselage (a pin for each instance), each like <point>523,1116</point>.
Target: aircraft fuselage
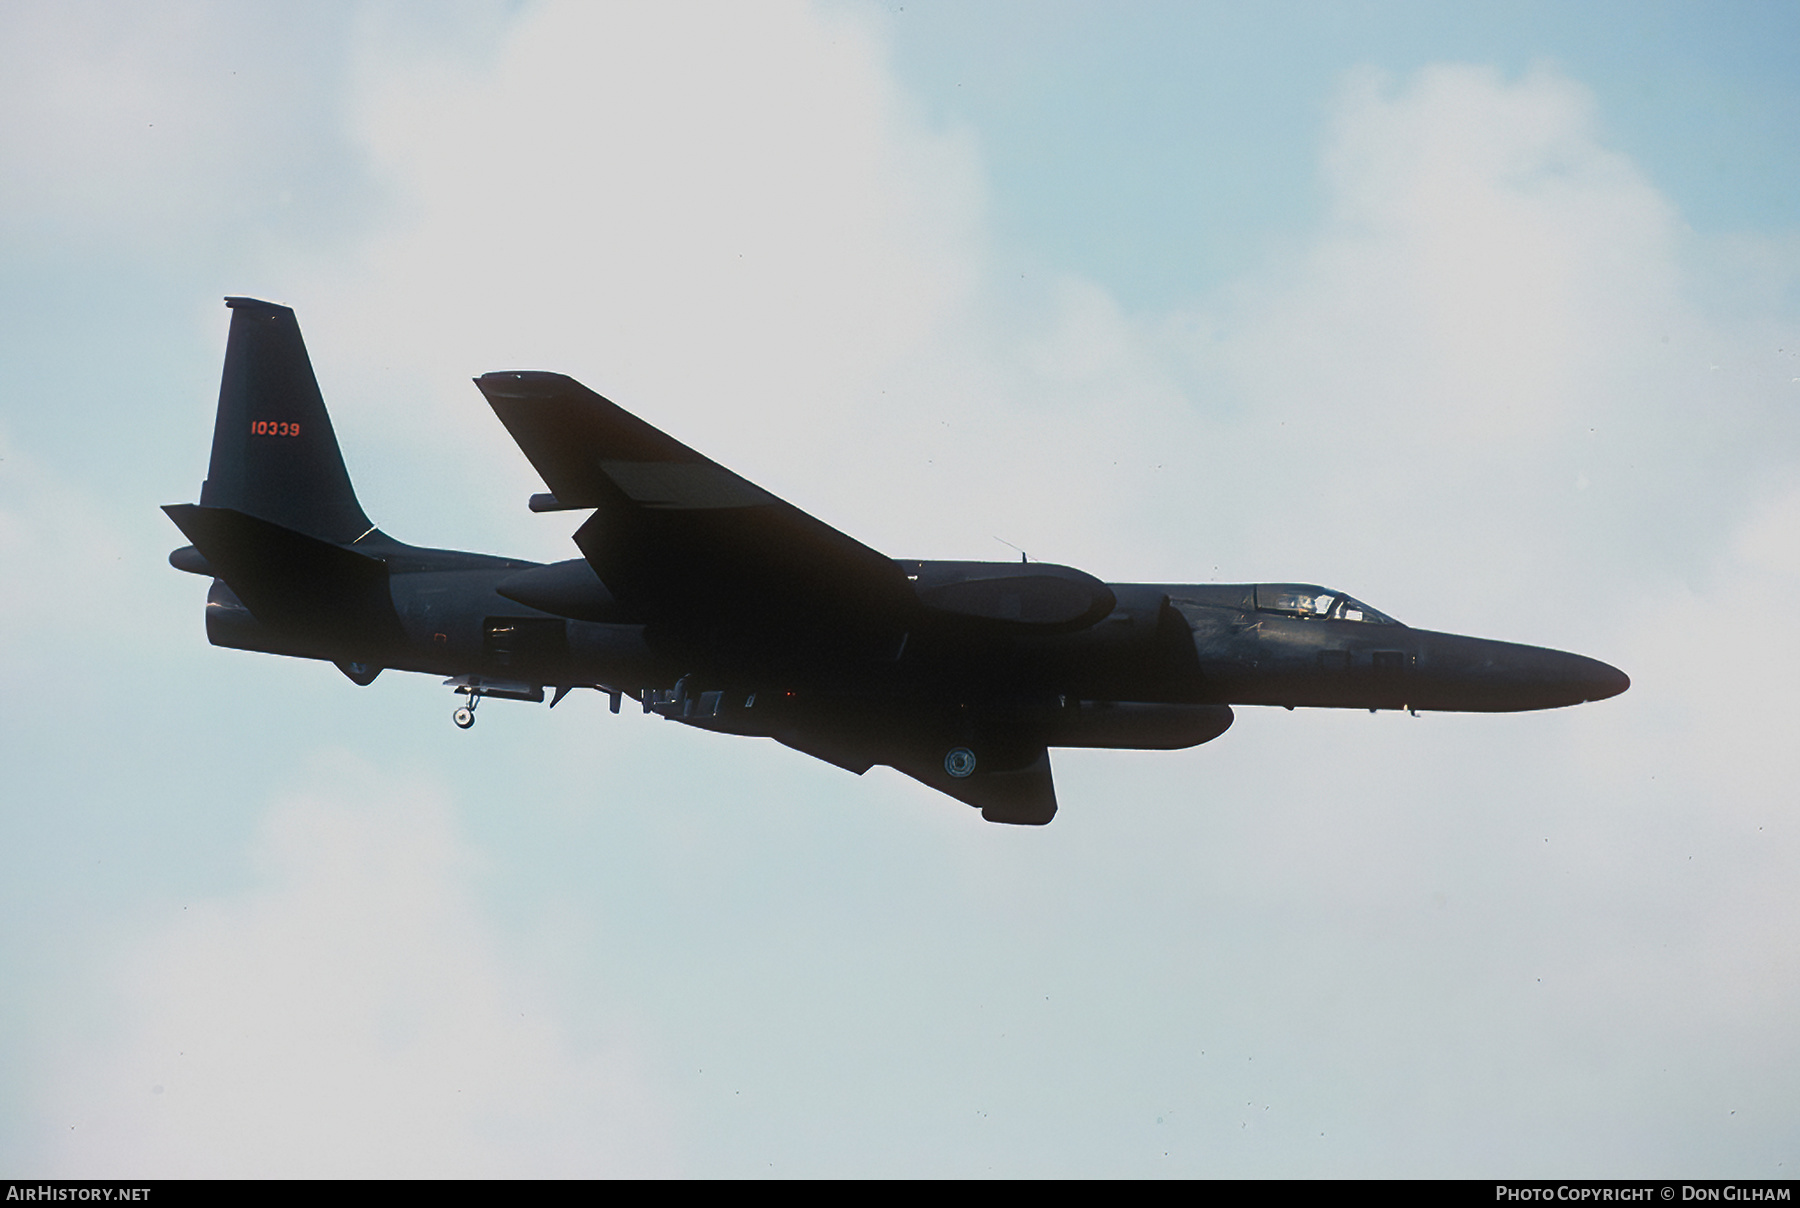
<point>1174,644</point>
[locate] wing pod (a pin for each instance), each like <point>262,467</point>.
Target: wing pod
<point>189,559</point>
<point>1138,725</point>
<point>1023,595</point>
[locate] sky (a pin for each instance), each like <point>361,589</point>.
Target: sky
<point>1489,318</point>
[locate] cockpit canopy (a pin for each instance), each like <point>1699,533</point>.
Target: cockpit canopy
<point>1318,603</point>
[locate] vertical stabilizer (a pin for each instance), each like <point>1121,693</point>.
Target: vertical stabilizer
<point>274,455</point>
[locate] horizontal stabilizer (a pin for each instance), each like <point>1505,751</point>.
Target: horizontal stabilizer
<point>290,581</point>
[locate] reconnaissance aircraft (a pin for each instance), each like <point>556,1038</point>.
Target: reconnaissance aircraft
<point>712,603</point>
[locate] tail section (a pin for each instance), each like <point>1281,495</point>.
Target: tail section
<point>277,522</point>
<point>274,455</point>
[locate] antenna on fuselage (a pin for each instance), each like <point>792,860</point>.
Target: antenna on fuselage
<point>1023,556</point>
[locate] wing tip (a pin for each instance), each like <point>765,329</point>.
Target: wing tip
<point>233,302</point>
<point>527,384</point>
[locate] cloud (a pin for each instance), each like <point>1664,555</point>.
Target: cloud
<point>1486,221</point>
<point>69,560</point>
<point>170,134</point>
<point>1430,375</point>
<point>1716,664</point>
<point>352,1013</point>
<point>706,210</point>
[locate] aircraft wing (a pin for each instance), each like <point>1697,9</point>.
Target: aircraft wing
<point>698,552</point>
<point>680,539</point>
<point>1023,795</point>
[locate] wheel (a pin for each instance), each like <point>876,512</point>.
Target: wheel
<point>960,762</point>
<point>463,717</point>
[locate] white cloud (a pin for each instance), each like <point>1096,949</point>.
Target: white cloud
<point>352,1014</point>
<point>1487,384</point>
<point>1714,661</point>
<point>1486,221</point>
<point>172,134</point>
<point>711,211</point>
<point>70,563</point>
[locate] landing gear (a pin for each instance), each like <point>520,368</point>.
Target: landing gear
<point>477,686</point>
<point>464,717</point>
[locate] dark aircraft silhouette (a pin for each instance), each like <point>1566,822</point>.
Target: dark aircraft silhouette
<point>715,604</point>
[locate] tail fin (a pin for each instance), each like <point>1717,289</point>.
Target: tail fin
<point>274,455</point>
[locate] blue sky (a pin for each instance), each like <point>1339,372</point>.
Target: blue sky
<point>1487,318</point>
<point>1202,122</point>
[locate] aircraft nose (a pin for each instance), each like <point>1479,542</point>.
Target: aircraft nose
<point>1568,679</point>
<point>1599,680</point>
<point>1571,679</point>
<point>1478,674</point>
